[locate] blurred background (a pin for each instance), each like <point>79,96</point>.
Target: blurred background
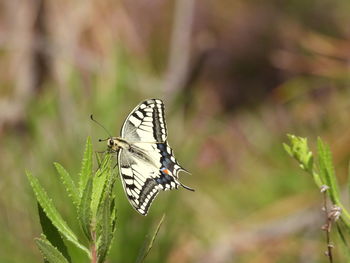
<point>235,76</point>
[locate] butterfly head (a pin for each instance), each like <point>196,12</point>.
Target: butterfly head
<point>112,144</point>
<point>116,143</point>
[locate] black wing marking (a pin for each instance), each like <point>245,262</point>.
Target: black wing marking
<point>169,169</point>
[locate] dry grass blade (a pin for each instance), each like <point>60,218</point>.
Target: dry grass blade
<point>141,259</point>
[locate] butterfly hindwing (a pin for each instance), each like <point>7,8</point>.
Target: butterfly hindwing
<point>144,178</point>
<point>137,180</point>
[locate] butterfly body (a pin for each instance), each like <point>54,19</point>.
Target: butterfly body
<point>116,143</point>
<point>146,162</point>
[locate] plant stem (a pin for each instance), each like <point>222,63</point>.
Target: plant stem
<point>345,214</point>
<point>327,228</point>
<point>93,248</point>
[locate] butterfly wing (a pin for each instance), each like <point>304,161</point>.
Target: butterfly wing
<point>146,123</point>
<point>146,170</point>
<point>138,181</point>
<point>149,165</point>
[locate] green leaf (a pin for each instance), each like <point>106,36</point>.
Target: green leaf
<point>327,170</point>
<point>84,211</point>
<point>99,182</point>
<point>299,150</point>
<point>69,184</point>
<point>49,252</point>
<point>340,226</point>
<point>106,219</point>
<point>288,149</point>
<point>52,213</point>
<point>105,234</point>
<point>349,179</point>
<point>342,236</point>
<point>52,234</point>
<point>113,215</point>
<point>86,166</point>
<point>143,256</point>
<point>98,158</point>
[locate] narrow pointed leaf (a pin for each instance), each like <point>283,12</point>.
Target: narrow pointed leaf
<point>98,158</point>
<point>52,213</point>
<point>327,170</point>
<point>143,256</point>
<point>342,236</point>
<point>104,230</point>
<point>51,233</point>
<point>69,184</point>
<point>106,219</point>
<point>340,225</point>
<point>99,182</point>
<point>349,179</point>
<point>84,212</point>
<point>86,166</point>
<point>49,252</point>
<point>287,149</point>
<point>113,214</point>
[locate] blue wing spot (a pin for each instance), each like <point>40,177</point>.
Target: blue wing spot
<point>169,178</point>
<point>166,162</point>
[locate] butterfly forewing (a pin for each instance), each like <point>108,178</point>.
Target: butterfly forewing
<point>146,123</point>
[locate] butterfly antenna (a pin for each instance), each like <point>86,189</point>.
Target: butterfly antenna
<point>103,127</point>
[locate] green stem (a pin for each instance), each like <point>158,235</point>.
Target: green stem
<point>317,178</point>
<point>93,248</point>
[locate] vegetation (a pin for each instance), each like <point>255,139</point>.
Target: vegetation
<point>324,176</point>
<point>235,76</point>
<point>94,202</point>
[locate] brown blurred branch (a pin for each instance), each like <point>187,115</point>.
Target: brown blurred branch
<point>327,228</point>
<point>40,59</point>
<point>31,63</point>
<point>179,56</point>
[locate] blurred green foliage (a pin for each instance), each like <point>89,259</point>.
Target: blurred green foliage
<point>324,177</point>
<point>260,70</point>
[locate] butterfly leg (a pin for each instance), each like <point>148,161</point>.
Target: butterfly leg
<point>98,158</point>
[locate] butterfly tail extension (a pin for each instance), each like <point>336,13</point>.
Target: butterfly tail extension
<point>185,170</point>
<point>187,187</point>
<point>184,186</point>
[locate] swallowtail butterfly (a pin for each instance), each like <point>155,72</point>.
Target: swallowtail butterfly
<point>146,162</point>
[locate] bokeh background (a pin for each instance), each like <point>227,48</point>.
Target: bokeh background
<point>235,76</point>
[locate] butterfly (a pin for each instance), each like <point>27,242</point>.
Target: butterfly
<point>147,164</point>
